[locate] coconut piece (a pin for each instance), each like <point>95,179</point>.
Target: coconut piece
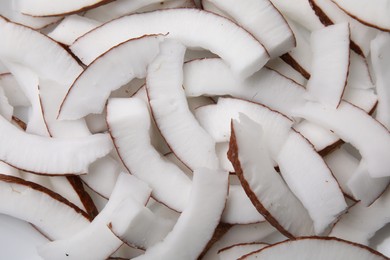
<point>263,185</point>
<point>6,110</point>
<point>57,7</point>
<point>205,32</point>
<point>286,70</point>
<point>129,124</point>
<point>216,120</point>
<point>236,251</point>
<point>98,233</point>
<point>50,155</point>
<point>198,219</point>
<point>71,28</point>
<point>330,64</point>
<point>268,87</point>
<point>10,10</point>
<point>374,14</point>
<point>380,58</point>
<point>329,13</point>
<point>316,248</point>
<point>360,223</point>
<point>186,138</point>
<point>53,215</point>
<point>12,90</point>
<point>310,179</point>
<point>118,66</point>
<point>262,20</point>
<point>354,126</point>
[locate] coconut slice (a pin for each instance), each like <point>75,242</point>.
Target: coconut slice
<point>216,120</point>
<point>206,33</point>
<point>97,235</point>
<point>186,138</point>
<point>138,226</point>
<point>354,126</point>
<point>234,252</point>
<point>129,124</point>
<point>122,63</point>
<point>71,28</point>
<point>198,219</point>
<point>316,248</point>
<point>360,223</point>
<point>310,179</point>
<point>380,58</point>
<point>50,155</point>
<point>53,215</point>
<point>213,77</point>
<point>330,47</point>
<point>374,14</point>
<point>57,7</point>
<point>263,185</point>
<point>262,20</point>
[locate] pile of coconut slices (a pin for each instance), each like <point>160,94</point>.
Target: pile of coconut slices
<point>226,129</point>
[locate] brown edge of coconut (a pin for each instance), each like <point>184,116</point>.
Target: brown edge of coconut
<point>39,188</point>
<point>287,58</point>
<point>233,157</point>
<point>219,232</point>
<point>321,239</point>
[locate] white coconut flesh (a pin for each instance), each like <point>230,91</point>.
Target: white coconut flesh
<point>275,35</point>
<point>380,58</point>
<point>6,110</point>
<point>71,28</point>
<point>236,251</point>
<point>373,14</point>
<point>129,123</point>
<point>53,215</point>
<point>279,65</point>
<point>57,7</point>
<point>354,126</point>
<point>101,241</point>
<point>330,63</point>
<point>216,120</point>
<point>359,75</point>
<point>366,99</point>
<point>310,179</point>
<point>212,77</point>
<point>315,248</point>
<point>168,103</point>
<point>205,32</point>
<point>118,66</point>
<point>263,185</point>
<point>198,219</point>
<point>13,91</point>
<point>361,222</point>
<point>47,155</point>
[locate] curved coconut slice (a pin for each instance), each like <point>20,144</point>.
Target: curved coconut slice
<point>240,234</point>
<point>129,124</point>
<point>6,110</point>
<point>262,20</point>
<point>53,215</point>
<point>280,66</point>
<point>71,28</point>
<point>310,179</point>
<point>216,120</point>
<point>97,235</point>
<point>205,32</point>
<point>57,7</point>
<point>118,66</point>
<point>186,138</point>
<point>380,58</point>
<point>213,77</point>
<point>329,13</point>
<point>50,155</point>
<point>316,248</point>
<point>198,219</point>
<point>360,223</point>
<point>138,226</point>
<point>354,126</point>
<point>374,14</point>
<point>330,64</point>
<point>263,185</point>
<point>10,10</point>
<point>234,252</point>
<point>364,187</point>
<point>13,91</point>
